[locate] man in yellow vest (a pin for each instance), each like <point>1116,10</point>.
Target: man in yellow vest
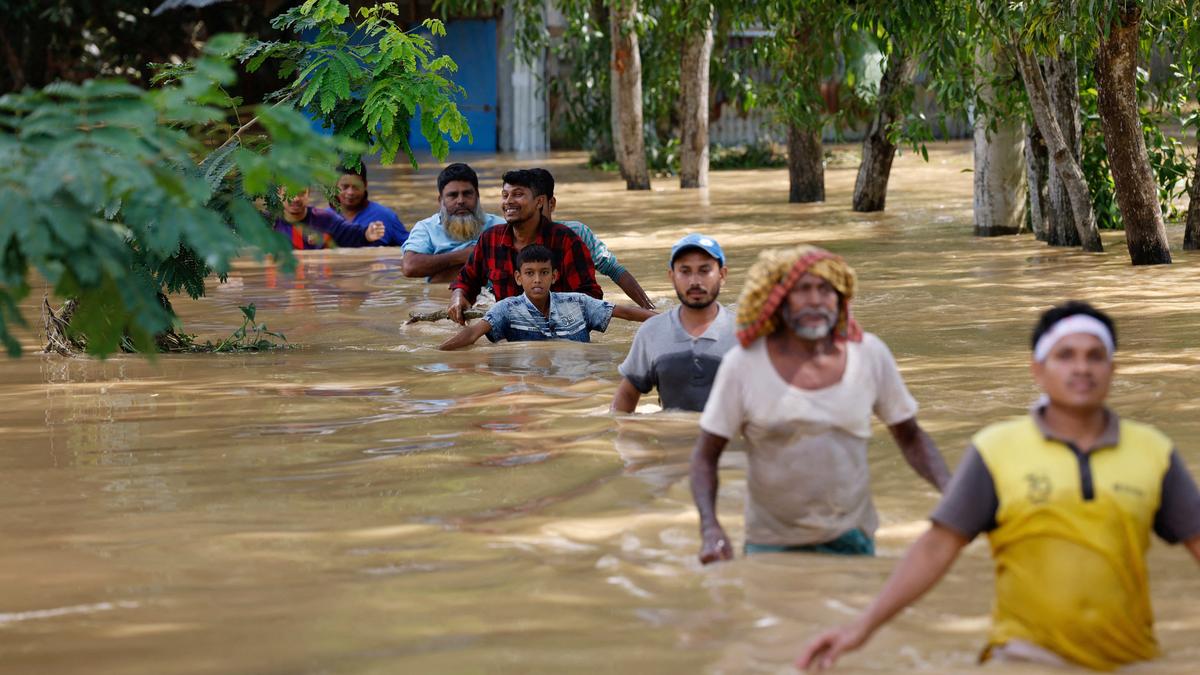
<point>1068,496</point>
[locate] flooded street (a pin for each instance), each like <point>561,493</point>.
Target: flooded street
<point>368,504</point>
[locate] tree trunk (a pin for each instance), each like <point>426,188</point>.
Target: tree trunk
<point>1060,155</point>
<point>693,92</point>
<point>870,188</point>
<point>806,166</point>
<point>1037,170</point>
<point>1000,181</point>
<point>1133,178</point>
<point>1062,83</point>
<point>629,140</point>
<point>1191,232</point>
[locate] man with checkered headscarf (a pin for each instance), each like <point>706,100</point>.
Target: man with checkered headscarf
<point>801,388</point>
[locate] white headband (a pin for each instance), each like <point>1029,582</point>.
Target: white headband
<point>1073,325</point>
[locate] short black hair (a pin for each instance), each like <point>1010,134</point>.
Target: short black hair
<point>1070,308</point>
<point>545,181</point>
<point>457,171</point>
<point>361,171</point>
<point>524,178</point>
<point>535,253</point>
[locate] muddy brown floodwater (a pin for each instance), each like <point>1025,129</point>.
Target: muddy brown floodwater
<point>367,504</point>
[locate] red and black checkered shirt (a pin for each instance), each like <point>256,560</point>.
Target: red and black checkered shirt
<point>495,258</point>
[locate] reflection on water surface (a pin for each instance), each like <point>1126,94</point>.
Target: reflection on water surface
<point>366,504</point>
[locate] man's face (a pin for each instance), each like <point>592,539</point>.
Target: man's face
<point>811,307</point>
<point>351,191</point>
<point>536,278</point>
<point>459,197</point>
<point>1077,373</point>
<point>697,277</point>
<point>295,206</point>
<point>518,203</point>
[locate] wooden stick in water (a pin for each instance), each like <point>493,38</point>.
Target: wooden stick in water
<point>415,317</point>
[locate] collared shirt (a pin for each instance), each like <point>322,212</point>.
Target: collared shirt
<point>606,263</point>
<point>682,367</point>
<point>429,236</point>
<point>395,233</point>
<point>322,228</point>
<point>572,316</point>
<point>807,472</point>
<point>970,503</point>
<point>1069,528</point>
<point>495,256</point>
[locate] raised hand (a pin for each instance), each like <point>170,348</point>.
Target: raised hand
<point>375,231</point>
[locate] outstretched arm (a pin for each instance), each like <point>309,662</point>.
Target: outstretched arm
<point>467,336</point>
<point>1193,545</point>
<point>923,566</point>
<point>431,264</point>
<point>921,453</point>
<point>631,313</point>
<point>714,543</point>
<point>633,289</point>
<point>626,398</point>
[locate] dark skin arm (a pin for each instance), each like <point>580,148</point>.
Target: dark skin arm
<point>1193,547</point>
<point>433,264</point>
<point>467,336</point>
<point>631,313</point>
<point>626,398</point>
<point>714,543</point>
<point>921,453</point>
<point>925,563</point>
<point>634,290</point>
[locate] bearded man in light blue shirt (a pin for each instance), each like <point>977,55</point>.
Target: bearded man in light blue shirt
<point>438,246</point>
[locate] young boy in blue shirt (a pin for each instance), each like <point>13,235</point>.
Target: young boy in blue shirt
<point>538,314</point>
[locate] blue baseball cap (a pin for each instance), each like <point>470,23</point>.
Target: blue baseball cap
<point>700,241</point>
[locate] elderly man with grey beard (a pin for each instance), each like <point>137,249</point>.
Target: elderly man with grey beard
<point>801,387</point>
<point>440,245</point>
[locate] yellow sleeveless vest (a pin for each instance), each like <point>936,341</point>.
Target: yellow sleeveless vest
<point>1070,571</point>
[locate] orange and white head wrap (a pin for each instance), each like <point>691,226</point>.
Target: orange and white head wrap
<point>772,277</point>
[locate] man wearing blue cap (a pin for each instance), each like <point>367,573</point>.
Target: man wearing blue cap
<point>679,351</point>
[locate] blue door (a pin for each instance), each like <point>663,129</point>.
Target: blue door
<point>472,45</point>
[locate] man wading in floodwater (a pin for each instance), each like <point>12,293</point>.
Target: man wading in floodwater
<point>801,388</point>
<point>1068,495</point>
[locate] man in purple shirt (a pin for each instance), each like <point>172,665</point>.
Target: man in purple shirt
<point>310,228</point>
<point>356,207</point>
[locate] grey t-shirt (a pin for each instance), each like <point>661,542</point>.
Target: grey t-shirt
<point>682,367</point>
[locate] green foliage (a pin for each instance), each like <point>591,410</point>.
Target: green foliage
<point>761,155</point>
<point>101,193</point>
<point>251,336</point>
<point>366,78</point>
<point>1168,159</point>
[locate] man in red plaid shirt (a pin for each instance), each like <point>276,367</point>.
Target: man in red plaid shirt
<point>496,252</point>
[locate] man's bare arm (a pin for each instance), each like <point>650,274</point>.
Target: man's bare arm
<point>467,336</point>
<point>1193,546</point>
<point>921,453</point>
<point>707,453</point>
<point>631,313</point>
<point>633,289</point>
<point>626,398</point>
<point>431,264</point>
<point>925,563</point>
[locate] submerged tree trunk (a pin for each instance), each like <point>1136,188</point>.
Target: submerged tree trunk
<point>1060,155</point>
<point>1037,170</point>
<point>1133,178</point>
<point>870,188</point>
<point>1191,231</point>
<point>1062,84</point>
<point>629,140</point>
<point>806,165</point>
<point>693,92</point>
<point>1000,180</point>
